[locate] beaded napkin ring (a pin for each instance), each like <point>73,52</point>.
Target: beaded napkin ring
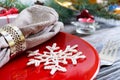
<point>14,38</point>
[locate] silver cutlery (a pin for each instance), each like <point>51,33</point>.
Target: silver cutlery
<point>108,54</point>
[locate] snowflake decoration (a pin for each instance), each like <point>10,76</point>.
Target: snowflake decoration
<point>54,57</point>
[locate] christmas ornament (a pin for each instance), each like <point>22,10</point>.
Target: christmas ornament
<point>85,28</point>
<point>85,23</point>
<point>117,10</point>
<point>67,14</point>
<point>112,7</point>
<point>67,3</point>
<point>85,16</point>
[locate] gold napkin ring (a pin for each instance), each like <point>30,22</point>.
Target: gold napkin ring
<point>14,37</point>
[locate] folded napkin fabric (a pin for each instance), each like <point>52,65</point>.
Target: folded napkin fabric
<point>33,26</point>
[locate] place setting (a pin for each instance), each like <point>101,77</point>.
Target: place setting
<point>44,52</point>
<point>41,42</point>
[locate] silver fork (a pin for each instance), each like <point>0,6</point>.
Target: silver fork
<point>108,54</point>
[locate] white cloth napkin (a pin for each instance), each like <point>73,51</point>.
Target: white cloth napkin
<point>37,23</point>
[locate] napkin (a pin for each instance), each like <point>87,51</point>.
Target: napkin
<point>36,24</point>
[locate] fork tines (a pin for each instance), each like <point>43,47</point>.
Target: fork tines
<point>109,51</point>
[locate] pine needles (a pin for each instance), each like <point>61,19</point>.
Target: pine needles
<point>13,3</point>
<point>65,14</point>
<point>98,10</point>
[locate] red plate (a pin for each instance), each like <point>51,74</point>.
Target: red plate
<point>86,69</point>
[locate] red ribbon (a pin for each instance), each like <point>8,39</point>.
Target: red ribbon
<point>5,12</point>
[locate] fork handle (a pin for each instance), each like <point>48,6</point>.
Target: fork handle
<point>105,63</point>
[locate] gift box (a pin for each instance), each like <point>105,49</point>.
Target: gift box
<point>7,19</point>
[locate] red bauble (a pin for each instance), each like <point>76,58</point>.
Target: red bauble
<point>85,16</point>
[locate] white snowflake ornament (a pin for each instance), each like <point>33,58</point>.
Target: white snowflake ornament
<point>54,56</point>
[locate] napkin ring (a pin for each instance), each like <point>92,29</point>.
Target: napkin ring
<point>14,38</point>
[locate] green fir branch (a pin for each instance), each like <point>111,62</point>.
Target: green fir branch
<point>98,10</point>
<point>13,3</point>
<point>65,15</point>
